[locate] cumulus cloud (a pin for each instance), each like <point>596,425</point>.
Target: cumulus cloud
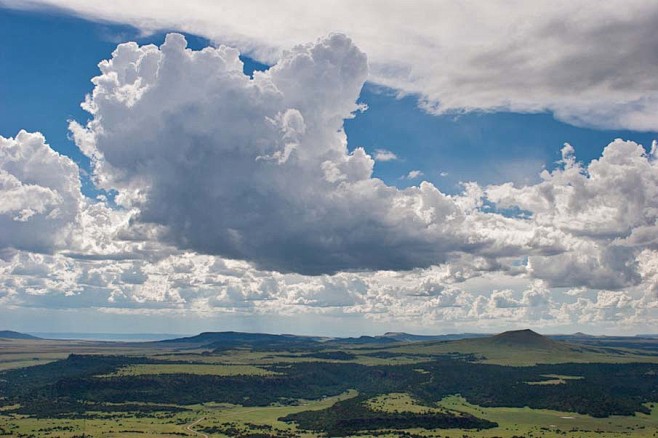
<point>258,169</point>
<point>208,285</point>
<point>607,212</point>
<point>589,63</point>
<point>268,178</point>
<point>40,192</point>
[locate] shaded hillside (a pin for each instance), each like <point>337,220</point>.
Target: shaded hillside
<point>9,334</point>
<point>523,339</point>
<point>516,341</point>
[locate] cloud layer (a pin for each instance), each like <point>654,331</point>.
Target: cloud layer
<point>589,63</point>
<point>238,195</point>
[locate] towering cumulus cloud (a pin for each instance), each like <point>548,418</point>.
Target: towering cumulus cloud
<point>258,169</point>
<point>40,192</point>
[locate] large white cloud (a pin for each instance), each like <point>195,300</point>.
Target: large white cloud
<point>589,62</point>
<point>258,169</point>
<point>40,195</point>
<point>102,270</point>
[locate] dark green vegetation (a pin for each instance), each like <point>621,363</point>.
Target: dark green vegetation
<point>66,386</point>
<point>591,380</point>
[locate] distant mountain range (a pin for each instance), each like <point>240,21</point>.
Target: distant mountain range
<point>515,346</point>
<point>229,340</point>
<point>261,341</point>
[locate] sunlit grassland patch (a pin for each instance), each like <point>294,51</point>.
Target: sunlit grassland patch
<point>22,363</point>
<point>117,424</point>
<point>198,369</point>
<point>521,356</point>
<point>554,379</point>
<point>26,353</point>
<point>233,419</point>
<point>549,423</point>
<point>401,402</point>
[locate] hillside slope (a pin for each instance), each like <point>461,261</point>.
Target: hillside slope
<point>524,347</point>
<point>10,334</point>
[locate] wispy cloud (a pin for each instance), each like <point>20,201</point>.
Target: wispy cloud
<point>502,56</point>
<point>414,174</point>
<point>384,155</point>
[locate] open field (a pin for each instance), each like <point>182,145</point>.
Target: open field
<point>243,420</point>
<point>161,424</point>
<point>400,402</point>
<point>525,421</point>
<point>544,422</point>
<point>16,353</point>
<point>263,419</point>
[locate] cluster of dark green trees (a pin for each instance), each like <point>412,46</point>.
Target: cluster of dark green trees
<point>353,415</point>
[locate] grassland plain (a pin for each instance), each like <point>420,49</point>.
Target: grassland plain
<point>543,422</point>
<point>523,422</point>
<point>237,420</point>
<point>17,353</point>
<point>410,361</point>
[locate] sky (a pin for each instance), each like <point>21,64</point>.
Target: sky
<point>328,168</point>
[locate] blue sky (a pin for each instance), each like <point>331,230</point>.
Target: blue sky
<point>487,147</point>
<point>234,204</point>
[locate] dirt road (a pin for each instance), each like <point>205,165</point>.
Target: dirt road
<point>189,428</point>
